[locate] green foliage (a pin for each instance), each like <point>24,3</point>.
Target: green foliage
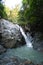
<point>13,14</point>
<point>36,11</point>
<point>2,12</point>
<point>24,11</point>
<point>33,12</point>
<point>6,13</point>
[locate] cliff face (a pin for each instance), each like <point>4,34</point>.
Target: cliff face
<point>37,37</point>
<point>38,41</point>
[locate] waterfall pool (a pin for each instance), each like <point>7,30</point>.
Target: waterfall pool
<point>25,52</point>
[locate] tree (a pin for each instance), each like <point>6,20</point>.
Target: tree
<point>36,14</point>
<point>33,13</point>
<point>13,14</point>
<point>2,11</point>
<point>24,11</point>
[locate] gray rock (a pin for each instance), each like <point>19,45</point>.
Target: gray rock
<point>10,63</point>
<point>15,61</point>
<point>11,35</point>
<point>38,41</point>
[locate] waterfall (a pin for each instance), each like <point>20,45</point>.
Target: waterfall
<point>28,43</point>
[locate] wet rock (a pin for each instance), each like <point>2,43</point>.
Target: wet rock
<point>2,49</point>
<point>11,63</point>
<point>38,41</point>
<point>11,35</point>
<point>16,61</point>
<point>28,63</point>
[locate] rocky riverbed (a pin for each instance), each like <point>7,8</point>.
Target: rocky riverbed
<point>16,61</point>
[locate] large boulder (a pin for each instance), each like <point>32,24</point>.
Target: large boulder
<point>11,36</point>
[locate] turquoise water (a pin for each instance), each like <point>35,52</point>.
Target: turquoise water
<point>25,53</point>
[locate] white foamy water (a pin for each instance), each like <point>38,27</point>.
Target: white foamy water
<point>28,43</point>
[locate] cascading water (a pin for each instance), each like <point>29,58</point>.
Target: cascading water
<point>28,43</point>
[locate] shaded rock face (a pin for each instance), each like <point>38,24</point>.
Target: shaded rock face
<point>38,41</point>
<point>11,35</point>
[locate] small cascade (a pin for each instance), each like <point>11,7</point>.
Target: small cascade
<point>28,42</point>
